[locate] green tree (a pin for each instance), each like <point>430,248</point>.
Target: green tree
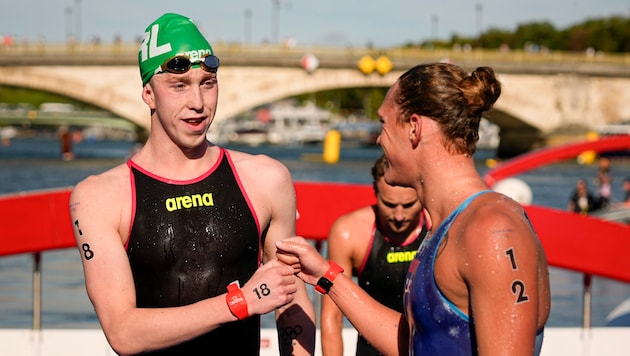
<point>609,35</point>
<point>495,38</point>
<point>362,102</point>
<point>602,34</point>
<point>543,34</point>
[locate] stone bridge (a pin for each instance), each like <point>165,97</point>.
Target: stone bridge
<point>539,98</point>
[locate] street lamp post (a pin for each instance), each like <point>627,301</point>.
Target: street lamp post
<point>274,21</point>
<point>248,25</point>
<point>68,13</point>
<point>78,19</point>
<point>434,20</point>
<point>479,8</point>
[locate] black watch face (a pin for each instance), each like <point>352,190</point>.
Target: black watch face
<point>325,284</point>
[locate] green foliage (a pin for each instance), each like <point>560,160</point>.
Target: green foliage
<point>362,102</point>
<point>14,95</point>
<point>608,35</point>
<point>542,34</point>
<point>495,38</point>
<point>602,34</point>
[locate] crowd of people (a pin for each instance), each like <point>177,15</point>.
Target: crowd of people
<point>184,246</point>
<point>584,200</point>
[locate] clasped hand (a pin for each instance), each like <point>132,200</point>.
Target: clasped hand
<point>271,287</point>
<point>307,263</point>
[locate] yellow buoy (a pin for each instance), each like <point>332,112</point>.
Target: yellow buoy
<point>332,146</point>
<point>588,157</point>
<point>592,136</point>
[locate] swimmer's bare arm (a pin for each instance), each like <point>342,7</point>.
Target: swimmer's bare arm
<point>98,217</point>
<point>504,265</point>
<point>274,200</point>
<point>386,329</point>
<point>347,239</point>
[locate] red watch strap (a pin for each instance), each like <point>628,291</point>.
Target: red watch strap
<point>236,301</point>
<point>330,275</point>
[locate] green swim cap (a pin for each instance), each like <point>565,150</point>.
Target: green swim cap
<point>169,36</point>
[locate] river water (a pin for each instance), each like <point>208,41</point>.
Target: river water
<point>34,163</point>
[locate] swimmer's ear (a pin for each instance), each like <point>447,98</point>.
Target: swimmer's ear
<point>415,129</point>
<point>147,96</point>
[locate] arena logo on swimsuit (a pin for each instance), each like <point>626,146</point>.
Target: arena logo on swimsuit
<point>400,256</point>
<point>189,201</point>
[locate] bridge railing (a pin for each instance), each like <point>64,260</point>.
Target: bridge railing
<point>237,54</point>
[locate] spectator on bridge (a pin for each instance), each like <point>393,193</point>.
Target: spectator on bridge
<point>167,237</point>
<point>361,243</point>
<point>479,283</point>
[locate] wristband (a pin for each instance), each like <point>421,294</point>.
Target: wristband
<point>326,281</point>
<point>236,301</point>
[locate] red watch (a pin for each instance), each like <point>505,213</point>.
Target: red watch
<point>236,301</point>
<point>326,281</point>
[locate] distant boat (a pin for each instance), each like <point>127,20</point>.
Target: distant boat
<point>489,135</point>
<point>290,124</point>
<point>618,213</point>
<point>281,123</point>
<point>252,137</point>
<point>620,129</point>
<point>364,132</point>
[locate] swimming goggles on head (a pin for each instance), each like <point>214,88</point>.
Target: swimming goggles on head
<point>182,64</point>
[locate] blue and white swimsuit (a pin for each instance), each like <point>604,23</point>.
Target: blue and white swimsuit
<point>438,327</point>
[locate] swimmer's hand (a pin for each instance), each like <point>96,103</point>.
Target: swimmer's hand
<point>272,286</point>
<point>303,258</point>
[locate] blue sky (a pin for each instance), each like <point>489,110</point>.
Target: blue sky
<point>323,22</point>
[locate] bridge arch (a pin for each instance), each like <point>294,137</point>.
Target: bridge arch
<point>531,106</point>
<point>241,89</point>
<point>106,87</point>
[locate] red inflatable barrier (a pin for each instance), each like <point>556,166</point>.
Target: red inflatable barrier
<point>320,204</point>
<point>39,221</point>
<point>35,221</point>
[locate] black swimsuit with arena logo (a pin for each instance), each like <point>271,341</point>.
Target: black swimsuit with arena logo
<point>188,241</point>
<point>382,274</point>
